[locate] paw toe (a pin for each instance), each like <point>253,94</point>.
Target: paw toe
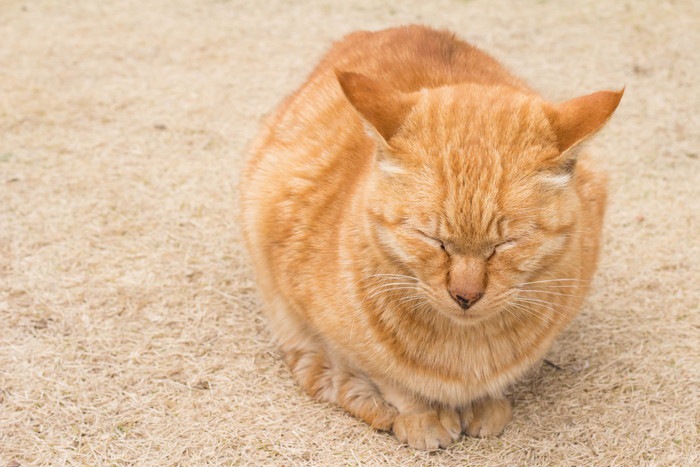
<point>425,431</point>
<point>489,417</point>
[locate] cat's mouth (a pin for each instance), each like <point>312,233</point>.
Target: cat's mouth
<point>465,315</point>
<point>469,316</point>
<point>449,306</point>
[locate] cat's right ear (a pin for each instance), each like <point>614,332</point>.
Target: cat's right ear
<point>381,106</point>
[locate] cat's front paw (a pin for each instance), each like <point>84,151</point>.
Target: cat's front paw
<point>380,415</point>
<point>429,430</point>
<point>487,417</point>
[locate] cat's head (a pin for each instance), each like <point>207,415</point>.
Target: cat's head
<point>472,191</point>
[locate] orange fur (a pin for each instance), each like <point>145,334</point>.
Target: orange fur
<point>421,225</point>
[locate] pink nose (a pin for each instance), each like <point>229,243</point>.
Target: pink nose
<point>466,300</point>
<point>467,280</point>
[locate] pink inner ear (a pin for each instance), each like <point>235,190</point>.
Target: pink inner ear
<point>577,119</point>
<point>382,106</point>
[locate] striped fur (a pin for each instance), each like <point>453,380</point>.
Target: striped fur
<point>407,165</point>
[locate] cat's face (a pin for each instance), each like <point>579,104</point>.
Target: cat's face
<point>472,187</point>
<point>470,198</point>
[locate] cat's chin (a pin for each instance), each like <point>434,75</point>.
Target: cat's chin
<point>466,317</point>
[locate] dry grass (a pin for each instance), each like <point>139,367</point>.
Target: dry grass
<point>130,329</point>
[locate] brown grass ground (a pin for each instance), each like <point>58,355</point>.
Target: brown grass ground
<point>130,332</point>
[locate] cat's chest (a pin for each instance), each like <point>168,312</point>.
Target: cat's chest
<point>456,366</point>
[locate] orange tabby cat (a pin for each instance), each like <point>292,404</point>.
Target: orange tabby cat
<point>422,225</point>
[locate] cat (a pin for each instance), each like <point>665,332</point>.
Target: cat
<point>421,225</point>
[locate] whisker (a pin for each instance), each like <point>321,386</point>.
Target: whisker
<point>512,313</point>
<point>551,293</point>
<point>415,302</point>
<point>547,304</point>
<point>374,293</point>
<point>531,312</point>
<point>554,286</point>
<point>408,302</point>
<point>419,306</point>
<point>544,300</point>
<point>389,284</point>
<point>533,308</point>
<point>411,298</point>
<point>404,276</point>
<point>553,280</point>
<point>534,299</point>
<point>534,304</point>
<point>384,276</point>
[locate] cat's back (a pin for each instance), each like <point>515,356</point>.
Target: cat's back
<point>316,128</point>
<point>406,58</point>
<point>409,58</point>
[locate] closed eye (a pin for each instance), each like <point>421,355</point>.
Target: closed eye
<point>428,239</point>
<point>503,246</point>
<point>508,244</point>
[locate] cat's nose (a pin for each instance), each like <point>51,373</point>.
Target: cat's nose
<point>467,280</point>
<point>466,300</point>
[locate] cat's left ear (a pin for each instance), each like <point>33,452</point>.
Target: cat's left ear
<point>577,119</point>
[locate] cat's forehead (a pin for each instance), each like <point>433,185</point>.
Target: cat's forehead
<point>476,126</point>
<point>476,147</point>
<point>490,119</point>
<point>481,186</point>
<point>472,200</point>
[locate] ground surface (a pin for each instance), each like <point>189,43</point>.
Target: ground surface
<point>130,332</point>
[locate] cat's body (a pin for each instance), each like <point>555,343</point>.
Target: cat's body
<point>418,230</point>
